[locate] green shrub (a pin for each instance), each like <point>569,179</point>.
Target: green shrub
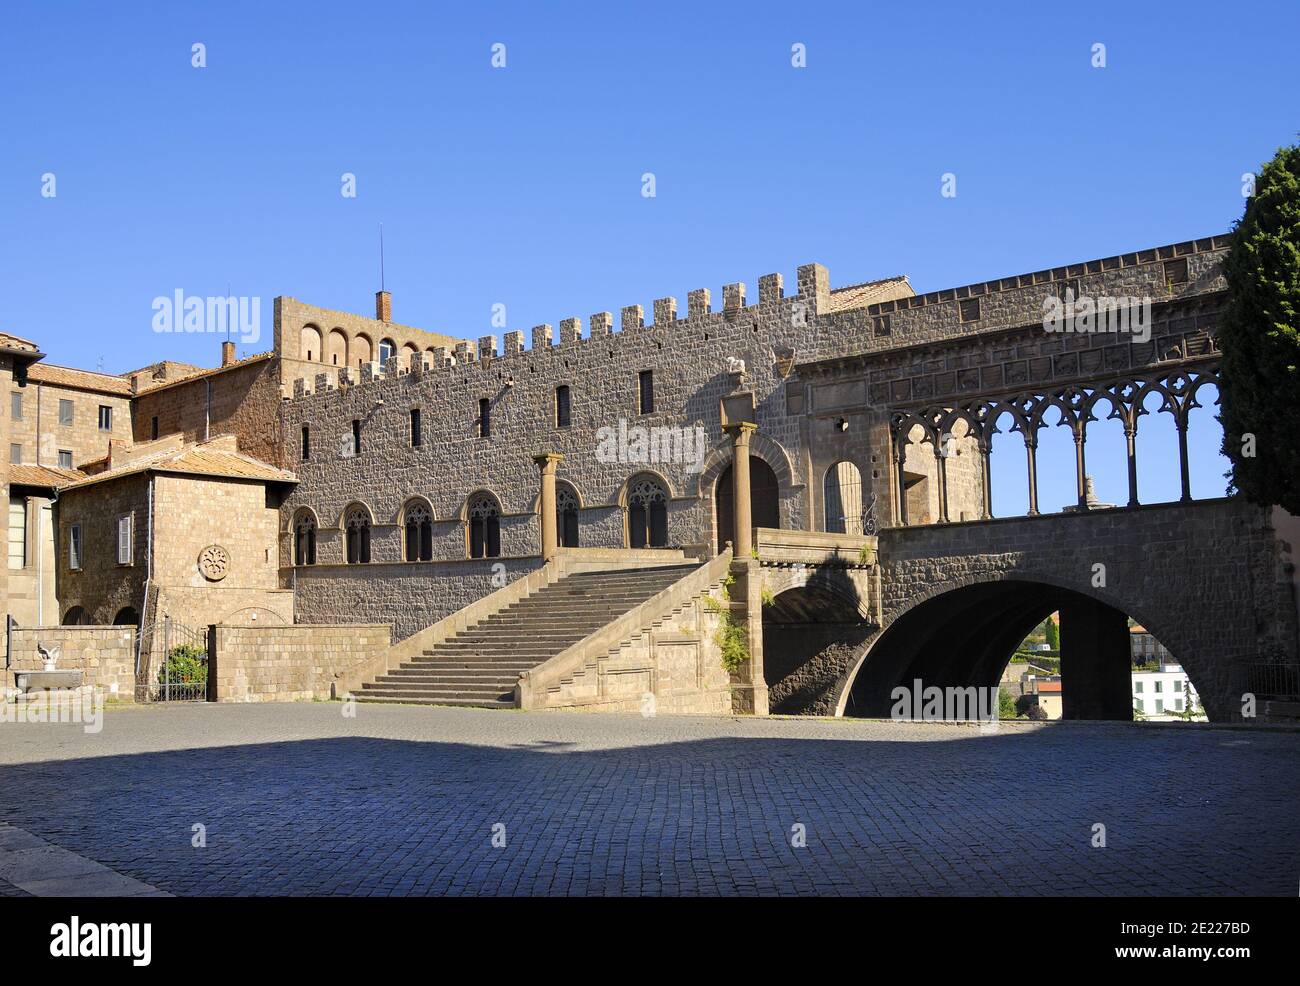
<point>185,664</point>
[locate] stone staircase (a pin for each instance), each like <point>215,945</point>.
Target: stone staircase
<point>480,665</point>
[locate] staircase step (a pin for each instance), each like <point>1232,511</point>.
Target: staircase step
<point>481,665</point>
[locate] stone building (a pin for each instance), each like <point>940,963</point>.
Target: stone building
<point>372,473</point>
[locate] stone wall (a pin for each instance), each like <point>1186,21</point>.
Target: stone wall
<point>408,596</point>
<point>287,664</point>
<point>105,655</point>
<point>101,586</point>
<point>242,399</point>
<point>43,435</point>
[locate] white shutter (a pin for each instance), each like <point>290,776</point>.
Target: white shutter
<point>74,546</point>
<point>124,540</point>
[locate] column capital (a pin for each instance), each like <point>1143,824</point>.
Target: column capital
<point>548,460</point>
<point>740,431</point>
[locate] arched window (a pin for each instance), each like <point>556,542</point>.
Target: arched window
<point>309,344</point>
<point>126,617</point>
<point>362,349</point>
<point>647,513</point>
<point>338,348</point>
<point>419,532</point>
<point>304,539</point>
<point>484,527</point>
<point>357,526</point>
<point>566,516</point>
<point>842,489</point>
<point>75,617</point>
<point>387,350</point>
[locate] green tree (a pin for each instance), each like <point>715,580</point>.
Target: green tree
<point>1053,635</point>
<point>1260,339</point>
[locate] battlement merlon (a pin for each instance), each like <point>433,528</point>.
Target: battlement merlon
<point>426,352</point>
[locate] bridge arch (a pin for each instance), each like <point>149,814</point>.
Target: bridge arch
<point>813,627</point>
<point>962,633</point>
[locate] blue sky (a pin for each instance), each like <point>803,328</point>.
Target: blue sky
<point>521,186</point>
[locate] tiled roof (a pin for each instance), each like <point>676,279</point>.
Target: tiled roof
<point>66,376</point>
<point>209,459</point>
<point>26,475</point>
<point>17,344</point>
<point>148,387</point>
<point>870,293</point>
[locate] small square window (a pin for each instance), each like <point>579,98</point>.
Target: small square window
<point>970,309</point>
<point>65,412</point>
<point>65,458</point>
<point>1176,271</point>
<point>880,325</point>
<point>1137,688</point>
<point>105,418</point>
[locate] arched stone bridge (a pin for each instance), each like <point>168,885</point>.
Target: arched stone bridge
<point>845,623</point>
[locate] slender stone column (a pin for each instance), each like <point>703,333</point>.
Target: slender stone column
<point>743,541</point>
<point>1184,474</point>
<point>546,464</point>
<point>986,469</point>
<point>1130,437</point>
<point>1031,457</point>
<point>941,474</point>
<point>1079,468</point>
<point>900,456</point>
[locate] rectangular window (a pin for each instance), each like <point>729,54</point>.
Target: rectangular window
<point>1178,705</point>
<point>356,437</point>
<point>1176,271</point>
<point>65,458</point>
<point>1137,688</point>
<point>1160,705</point>
<point>1178,685</point>
<point>65,412</point>
<point>17,532</point>
<point>970,309</point>
<point>484,418</point>
<point>880,325</point>
<point>105,418</point>
<point>16,455</point>
<point>124,540</point>
<point>1160,686</point>
<point>562,419</point>
<point>306,443</point>
<point>417,434</point>
<point>647,380</point>
<point>16,406</point>
<point>153,428</point>
<point>74,547</point>
<point>1137,704</point>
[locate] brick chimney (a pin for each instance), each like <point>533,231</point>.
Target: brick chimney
<point>227,353</point>
<point>384,306</point>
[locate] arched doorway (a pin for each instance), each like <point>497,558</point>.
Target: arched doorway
<point>764,499</point>
<point>126,617</point>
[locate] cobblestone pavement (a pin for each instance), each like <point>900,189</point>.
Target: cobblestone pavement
<point>298,799</point>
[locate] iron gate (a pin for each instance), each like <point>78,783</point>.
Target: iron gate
<point>173,662</point>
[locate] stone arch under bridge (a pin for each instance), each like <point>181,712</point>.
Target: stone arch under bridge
<point>1211,579</point>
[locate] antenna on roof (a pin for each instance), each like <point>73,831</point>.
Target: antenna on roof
<point>381,256</point>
